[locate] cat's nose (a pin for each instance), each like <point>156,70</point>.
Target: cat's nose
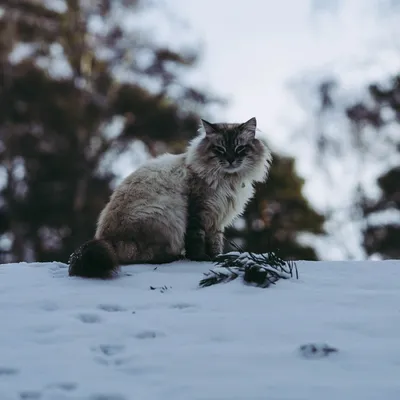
<point>230,159</point>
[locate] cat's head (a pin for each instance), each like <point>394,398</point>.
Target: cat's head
<point>231,147</point>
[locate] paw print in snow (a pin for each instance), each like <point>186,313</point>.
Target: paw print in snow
<point>316,350</point>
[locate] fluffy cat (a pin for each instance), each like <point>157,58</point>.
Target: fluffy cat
<point>177,206</point>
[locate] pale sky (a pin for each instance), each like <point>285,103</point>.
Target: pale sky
<point>250,49</point>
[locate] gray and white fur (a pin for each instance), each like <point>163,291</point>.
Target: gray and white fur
<point>177,206</point>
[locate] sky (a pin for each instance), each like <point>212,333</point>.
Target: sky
<point>250,50</point>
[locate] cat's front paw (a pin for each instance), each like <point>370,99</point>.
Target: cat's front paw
<point>212,255</point>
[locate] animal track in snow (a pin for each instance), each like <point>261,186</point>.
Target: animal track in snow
<point>88,318</point>
<point>110,349</point>
<point>30,395</point>
<point>37,395</point>
<point>110,354</point>
<point>111,307</point>
<point>65,386</point>
<point>182,306</point>
<point>8,371</point>
<point>148,334</point>
<point>107,397</point>
<point>316,350</point>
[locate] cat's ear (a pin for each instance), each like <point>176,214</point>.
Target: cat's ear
<point>248,129</point>
<point>209,128</point>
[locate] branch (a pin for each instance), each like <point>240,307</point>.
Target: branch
<point>260,270</point>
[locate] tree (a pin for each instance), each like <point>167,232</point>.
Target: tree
<point>359,134</point>
<point>382,113</point>
<point>53,121</point>
<point>383,238</point>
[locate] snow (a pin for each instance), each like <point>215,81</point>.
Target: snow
<point>71,338</point>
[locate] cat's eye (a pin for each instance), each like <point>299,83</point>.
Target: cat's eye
<point>219,150</point>
<point>240,149</point>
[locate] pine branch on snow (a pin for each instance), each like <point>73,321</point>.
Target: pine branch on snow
<point>260,270</point>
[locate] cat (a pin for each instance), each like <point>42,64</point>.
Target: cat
<point>177,206</point>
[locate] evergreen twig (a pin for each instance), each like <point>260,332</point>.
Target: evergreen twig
<point>262,270</point>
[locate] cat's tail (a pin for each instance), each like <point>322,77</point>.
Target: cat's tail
<point>96,258</point>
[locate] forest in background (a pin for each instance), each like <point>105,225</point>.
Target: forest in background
<point>79,86</point>
<point>360,135</point>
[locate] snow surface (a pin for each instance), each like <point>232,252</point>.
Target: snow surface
<point>72,338</point>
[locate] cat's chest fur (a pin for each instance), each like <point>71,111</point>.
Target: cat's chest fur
<point>225,202</point>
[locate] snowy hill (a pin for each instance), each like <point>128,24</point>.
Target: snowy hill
<point>69,338</point>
